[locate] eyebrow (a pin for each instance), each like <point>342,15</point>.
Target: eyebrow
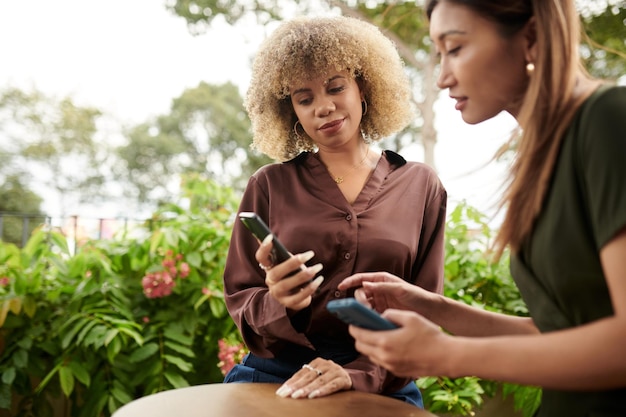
<point>450,32</point>
<point>302,90</point>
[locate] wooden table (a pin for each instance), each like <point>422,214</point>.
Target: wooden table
<point>260,400</point>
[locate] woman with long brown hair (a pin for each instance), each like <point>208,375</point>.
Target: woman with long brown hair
<point>565,220</point>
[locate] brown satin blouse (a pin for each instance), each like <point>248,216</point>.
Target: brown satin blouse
<point>396,224</point>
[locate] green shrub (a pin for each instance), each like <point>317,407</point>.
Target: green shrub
<point>120,318</point>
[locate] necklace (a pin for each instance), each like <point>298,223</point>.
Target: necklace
<point>339,178</point>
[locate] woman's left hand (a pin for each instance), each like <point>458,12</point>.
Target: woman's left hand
<point>318,378</point>
<point>417,348</point>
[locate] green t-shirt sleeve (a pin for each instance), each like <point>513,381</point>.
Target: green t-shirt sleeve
<point>603,159</point>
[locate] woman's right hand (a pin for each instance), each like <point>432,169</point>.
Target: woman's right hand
<point>382,290</point>
<point>292,291</point>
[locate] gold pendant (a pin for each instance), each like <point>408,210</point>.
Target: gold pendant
<point>338,180</point>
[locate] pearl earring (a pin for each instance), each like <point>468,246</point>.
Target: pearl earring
<point>530,69</point>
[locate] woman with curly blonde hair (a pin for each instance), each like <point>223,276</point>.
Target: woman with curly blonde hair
<point>322,90</point>
<point>305,48</point>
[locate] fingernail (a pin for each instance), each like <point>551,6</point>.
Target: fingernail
<point>268,239</point>
<point>314,394</point>
<point>308,255</point>
<point>298,394</point>
<point>317,282</point>
<point>316,268</point>
<point>283,391</point>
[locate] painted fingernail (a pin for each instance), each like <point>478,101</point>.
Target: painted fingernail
<point>305,256</point>
<point>268,239</point>
<point>298,394</point>
<point>316,268</point>
<point>314,394</point>
<point>284,391</point>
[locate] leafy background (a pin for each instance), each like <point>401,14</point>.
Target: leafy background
<point>144,312</point>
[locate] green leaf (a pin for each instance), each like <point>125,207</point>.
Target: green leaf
<point>201,300</point>
<point>174,332</point>
<point>155,241</point>
<point>112,405</point>
<point>111,333</point>
<point>67,339</point>
<point>180,363</point>
<point>176,380</point>
<point>8,376</point>
<point>30,306</point>
<point>66,378</point>
<point>136,336</point>
<point>80,373</point>
<point>60,241</point>
<point>20,358</point>
<point>84,331</point>
<point>113,349</point>
<point>180,349</point>
<point>143,352</point>
<point>96,336</point>
<point>218,309</point>
<point>120,393</point>
<point>194,259</point>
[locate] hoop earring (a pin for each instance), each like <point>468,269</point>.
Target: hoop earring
<point>364,108</point>
<point>295,129</point>
<point>530,69</point>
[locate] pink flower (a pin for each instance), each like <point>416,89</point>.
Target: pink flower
<point>160,284</point>
<point>157,284</point>
<point>184,270</point>
<point>206,291</point>
<point>229,355</point>
<point>4,281</point>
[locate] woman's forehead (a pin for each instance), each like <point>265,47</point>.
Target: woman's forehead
<point>321,78</point>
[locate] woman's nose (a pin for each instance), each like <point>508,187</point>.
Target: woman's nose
<point>325,106</point>
<point>445,78</point>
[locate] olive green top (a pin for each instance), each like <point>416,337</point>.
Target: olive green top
<point>558,270</point>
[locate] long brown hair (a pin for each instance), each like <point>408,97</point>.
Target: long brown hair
<point>547,108</point>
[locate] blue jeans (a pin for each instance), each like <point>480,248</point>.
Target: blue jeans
<point>255,369</point>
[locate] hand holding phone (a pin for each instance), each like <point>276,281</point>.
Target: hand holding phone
<point>259,229</point>
<point>352,312</point>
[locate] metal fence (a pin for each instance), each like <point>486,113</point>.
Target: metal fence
<point>17,227</point>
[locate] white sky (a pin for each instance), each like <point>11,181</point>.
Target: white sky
<point>132,57</point>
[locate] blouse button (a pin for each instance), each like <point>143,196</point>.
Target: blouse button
<point>349,217</point>
<point>346,255</point>
<point>337,294</point>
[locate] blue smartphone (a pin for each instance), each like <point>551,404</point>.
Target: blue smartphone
<point>352,312</point>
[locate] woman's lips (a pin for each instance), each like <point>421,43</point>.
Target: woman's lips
<point>332,127</point>
<point>460,103</point>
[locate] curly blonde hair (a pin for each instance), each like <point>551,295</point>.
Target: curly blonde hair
<point>307,47</point>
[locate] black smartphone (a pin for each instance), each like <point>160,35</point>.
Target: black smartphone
<point>259,229</point>
<point>352,312</point>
